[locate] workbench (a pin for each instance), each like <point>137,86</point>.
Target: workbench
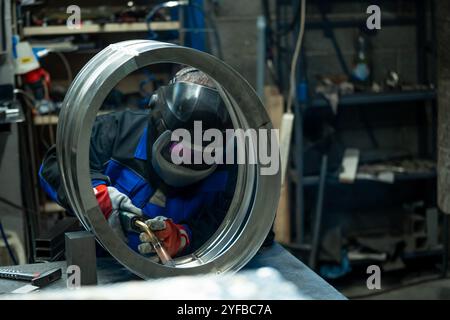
<point>110,271</point>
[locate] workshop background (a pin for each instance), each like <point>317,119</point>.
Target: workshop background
<point>361,182</point>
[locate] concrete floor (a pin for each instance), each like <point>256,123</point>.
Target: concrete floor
<point>407,286</point>
<point>432,290</point>
<point>439,289</point>
<point>418,281</point>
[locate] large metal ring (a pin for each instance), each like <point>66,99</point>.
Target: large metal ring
<point>253,207</point>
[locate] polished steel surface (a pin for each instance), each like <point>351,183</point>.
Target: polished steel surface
<point>253,207</point>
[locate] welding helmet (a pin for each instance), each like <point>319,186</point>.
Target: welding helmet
<point>177,106</point>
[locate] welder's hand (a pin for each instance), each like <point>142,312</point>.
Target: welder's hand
<point>112,202</point>
<point>173,237</point>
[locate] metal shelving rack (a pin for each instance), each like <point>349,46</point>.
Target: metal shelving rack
<point>426,96</point>
<point>119,30</point>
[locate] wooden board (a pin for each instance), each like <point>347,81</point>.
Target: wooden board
<point>282,226</point>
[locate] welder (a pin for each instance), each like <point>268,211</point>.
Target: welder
<point>132,171</point>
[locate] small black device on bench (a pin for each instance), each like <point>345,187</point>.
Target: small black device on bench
<point>38,279</point>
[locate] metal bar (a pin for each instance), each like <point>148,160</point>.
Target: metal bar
<point>328,29</point>
<point>298,157</point>
<point>318,217</point>
<point>261,56</point>
<point>433,78</point>
<point>421,42</point>
<point>279,60</point>
<point>377,98</point>
<point>387,22</point>
<point>445,240</point>
<point>80,251</point>
<point>443,134</point>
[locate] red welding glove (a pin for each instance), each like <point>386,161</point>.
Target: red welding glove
<point>173,236</point>
<point>104,202</point>
<point>112,202</point>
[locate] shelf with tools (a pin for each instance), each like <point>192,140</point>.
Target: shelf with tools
<point>64,50</point>
<point>382,177</point>
<point>42,120</point>
<point>387,117</point>
<point>100,28</point>
<point>52,119</point>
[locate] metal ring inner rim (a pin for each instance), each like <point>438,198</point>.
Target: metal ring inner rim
<point>79,110</point>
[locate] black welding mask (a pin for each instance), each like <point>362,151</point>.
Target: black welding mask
<point>178,106</point>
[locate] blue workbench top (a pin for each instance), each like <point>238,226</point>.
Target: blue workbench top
<point>109,271</point>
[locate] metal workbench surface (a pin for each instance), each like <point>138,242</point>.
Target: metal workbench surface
<point>110,271</point>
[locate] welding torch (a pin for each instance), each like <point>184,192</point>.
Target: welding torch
<point>134,223</point>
